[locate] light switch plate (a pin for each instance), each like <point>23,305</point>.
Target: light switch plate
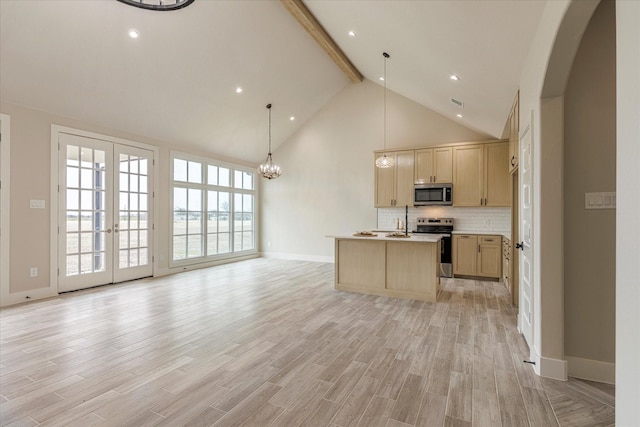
<point>601,200</point>
<point>36,204</point>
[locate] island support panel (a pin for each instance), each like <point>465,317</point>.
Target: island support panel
<point>387,268</point>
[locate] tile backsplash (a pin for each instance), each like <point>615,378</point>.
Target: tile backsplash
<point>490,220</point>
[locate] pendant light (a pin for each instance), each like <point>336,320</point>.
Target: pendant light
<point>384,161</point>
<point>268,169</point>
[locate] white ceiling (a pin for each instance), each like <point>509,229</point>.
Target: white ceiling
<point>177,81</point>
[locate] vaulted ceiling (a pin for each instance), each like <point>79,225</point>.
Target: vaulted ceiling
<point>177,81</point>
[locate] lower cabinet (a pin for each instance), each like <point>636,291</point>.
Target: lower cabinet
<point>477,255</point>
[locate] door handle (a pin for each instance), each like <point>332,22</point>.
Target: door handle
<point>108,230</point>
<point>520,246</point>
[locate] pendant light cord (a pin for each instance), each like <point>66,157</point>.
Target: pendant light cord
<point>269,108</point>
<point>386,56</point>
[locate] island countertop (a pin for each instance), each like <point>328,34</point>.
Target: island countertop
<point>415,238</point>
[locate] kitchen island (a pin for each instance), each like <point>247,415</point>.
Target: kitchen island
<point>396,267</point>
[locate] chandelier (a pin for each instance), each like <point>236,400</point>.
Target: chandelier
<point>268,169</point>
<point>158,4</point>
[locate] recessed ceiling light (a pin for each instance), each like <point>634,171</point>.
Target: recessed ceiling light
<point>454,77</point>
<point>238,89</point>
<point>459,116</point>
<point>381,78</point>
<point>292,118</point>
<point>134,34</point>
<point>352,33</point>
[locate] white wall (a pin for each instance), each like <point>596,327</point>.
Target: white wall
<point>589,164</point>
<point>328,182</point>
<point>30,170</point>
<point>627,213</point>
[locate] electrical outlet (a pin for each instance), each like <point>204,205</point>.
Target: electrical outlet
<point>33,272</point>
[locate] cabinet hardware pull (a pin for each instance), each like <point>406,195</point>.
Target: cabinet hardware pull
<point>478,248</point>
<point>513,158</point>
<point>480,201</point>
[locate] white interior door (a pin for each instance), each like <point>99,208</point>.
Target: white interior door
<point>525,317</point>
<point>104,212</point>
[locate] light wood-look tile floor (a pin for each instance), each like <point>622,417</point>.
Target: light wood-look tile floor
<point>270,343</point>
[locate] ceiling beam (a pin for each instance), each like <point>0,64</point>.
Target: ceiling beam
<point>314,28</point>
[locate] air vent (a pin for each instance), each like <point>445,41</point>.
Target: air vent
<point>457,102</point>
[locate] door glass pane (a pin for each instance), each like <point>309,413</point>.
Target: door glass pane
<point>73,199</point>
<point>73,155</point>
<point>86,178</point>
<point>134,208</point>
<point>73,178</point>
<point>143,166</point>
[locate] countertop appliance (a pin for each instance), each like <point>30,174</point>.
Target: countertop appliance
<point>443,226</point>
<point>432,194</point>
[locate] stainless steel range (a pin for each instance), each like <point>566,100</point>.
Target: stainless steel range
<point>443,226</point>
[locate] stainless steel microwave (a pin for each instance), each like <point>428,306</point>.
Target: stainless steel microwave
<point>432,194</point>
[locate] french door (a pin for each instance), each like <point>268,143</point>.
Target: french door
<point>105,212</point>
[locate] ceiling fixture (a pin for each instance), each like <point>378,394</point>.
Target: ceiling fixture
<point>459,116</point>
<point>454,77</point>
<point>384,161</point>
<point>268,169</point>
<point>158,4</point>
<point>133,33</point>
<point>292,118</point>
<point>238,90</point>
<point>352,33</point>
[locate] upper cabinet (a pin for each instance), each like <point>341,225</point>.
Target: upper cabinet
<point>514,133</point>
<point>394,185</point>
<point>434,165</point>
<point>468,175</point>
<point>481,175</point>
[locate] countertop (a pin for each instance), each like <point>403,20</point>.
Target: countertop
<point>415,238</point>
<point>486,233</point>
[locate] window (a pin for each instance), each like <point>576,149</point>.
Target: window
<point>213,210</point>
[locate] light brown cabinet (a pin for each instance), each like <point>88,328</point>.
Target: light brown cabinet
<point>481,175</point>
<point>434,165</point>
<point>514,133</point>
<point>394,185</point>
<point>465,254</point>
<point>477,255</point>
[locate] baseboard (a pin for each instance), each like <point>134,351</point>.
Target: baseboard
<point>298,257</point>
<point>27,296</point>
<point>549,368</point>
<point>592,370</point>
